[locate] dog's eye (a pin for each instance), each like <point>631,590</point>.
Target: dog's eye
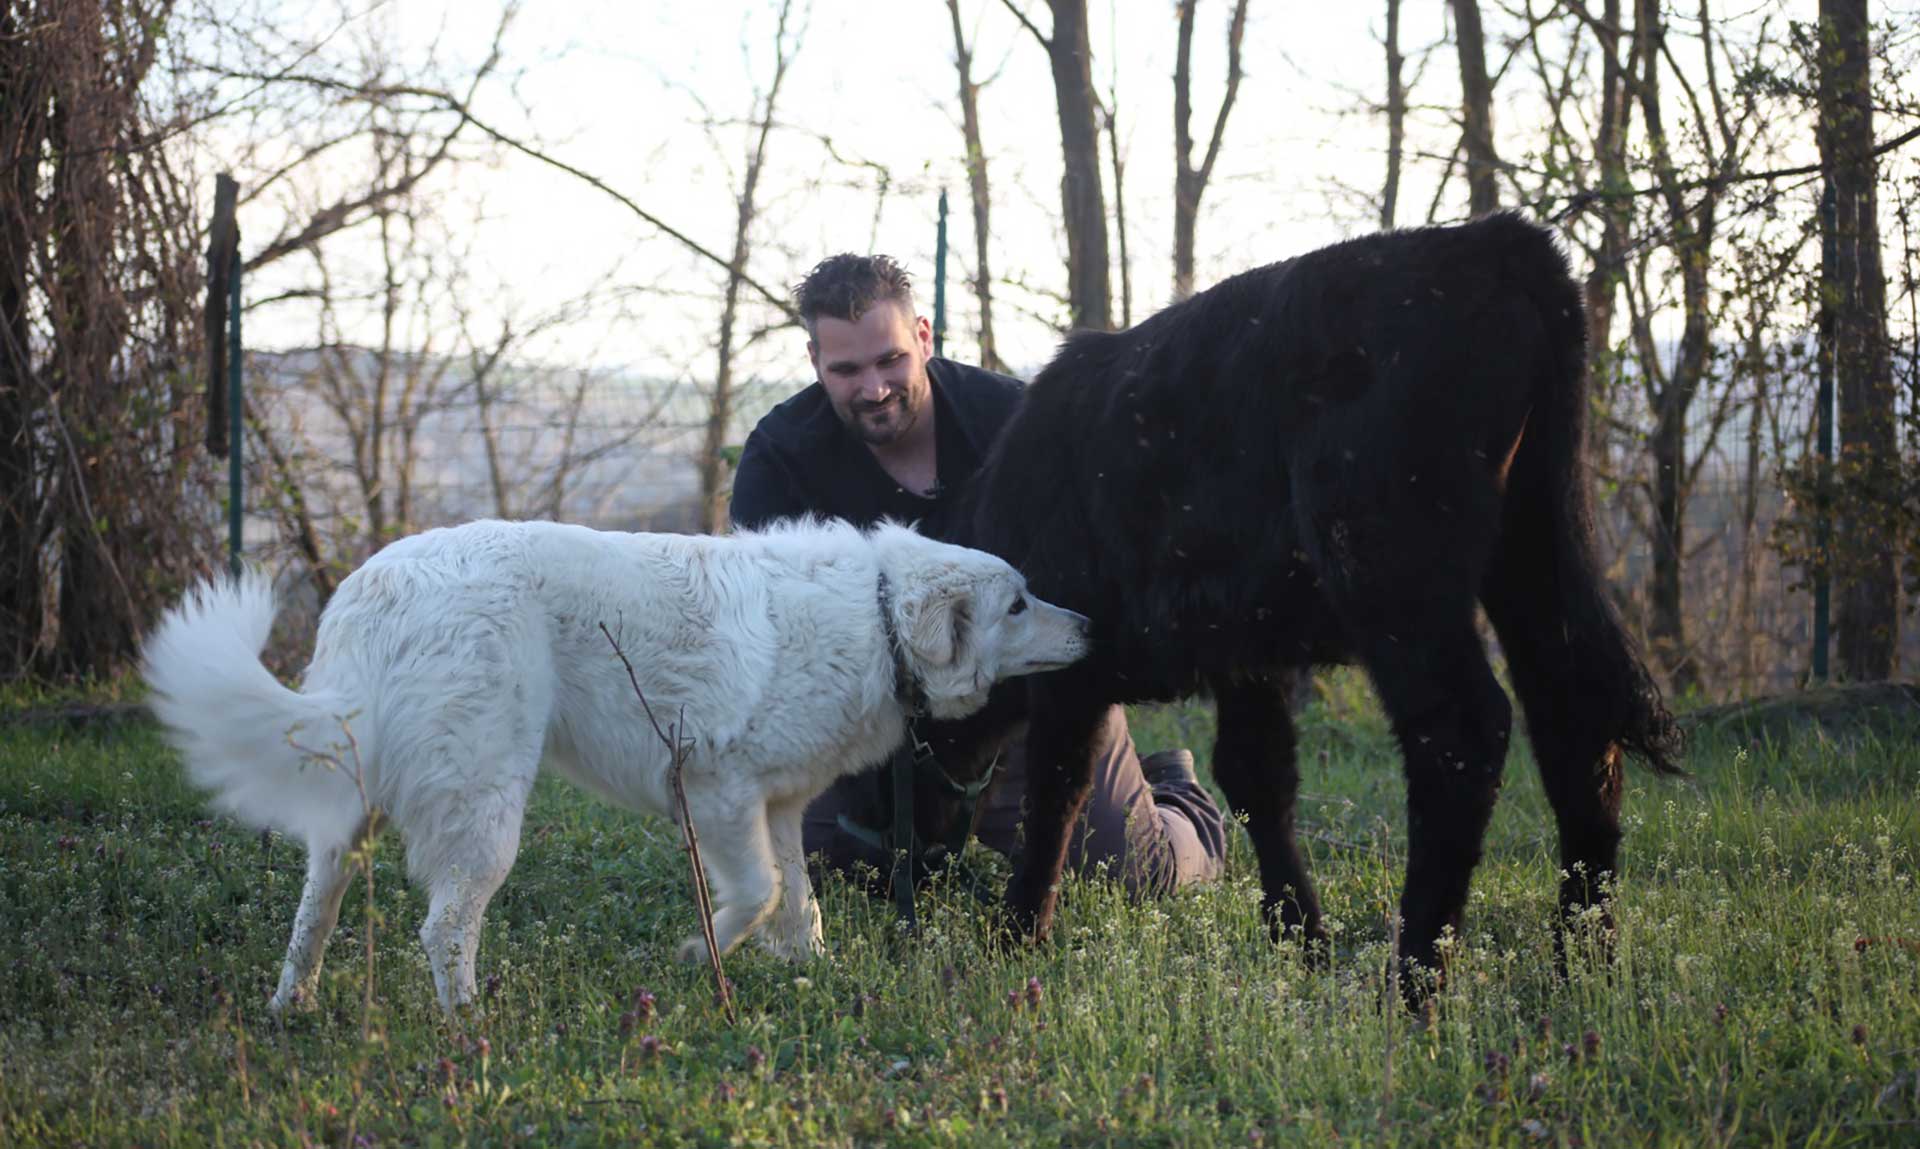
<point>1019,606</point>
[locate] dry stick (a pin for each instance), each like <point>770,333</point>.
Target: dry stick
<point>676,748</point>
<point>703,898</point>
<point>240,1055</point>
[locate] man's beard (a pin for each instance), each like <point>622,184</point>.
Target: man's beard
<point>901,419</point>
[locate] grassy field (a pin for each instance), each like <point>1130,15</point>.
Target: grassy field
<point>1766,988</point>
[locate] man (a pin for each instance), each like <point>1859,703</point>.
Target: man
<point>888,431</point>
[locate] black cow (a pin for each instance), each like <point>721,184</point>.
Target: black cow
<point>1334,459</point>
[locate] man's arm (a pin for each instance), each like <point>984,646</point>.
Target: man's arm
<point>764,488</point>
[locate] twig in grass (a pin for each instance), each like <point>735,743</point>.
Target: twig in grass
<point>702,897</point>
<point>1393,1001</point>
<point>1333,840</point>
<point>676,744</point>
<point>293,1079</point>
<point>240,1056</point>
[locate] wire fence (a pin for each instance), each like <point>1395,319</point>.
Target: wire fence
<point>1748,614</point>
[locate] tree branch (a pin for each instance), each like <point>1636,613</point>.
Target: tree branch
<point>1045,42</point>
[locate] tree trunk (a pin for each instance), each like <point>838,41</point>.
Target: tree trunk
<point>22,130</point>
<point>373,483</point>
<point>978,188</point>
<point>1749,516</point>
<point>1611,154</point>
<point>1666,618</point>
<point>720,403</point>
<point>1609,261</point>
<point>1692,241</point>
<point>1867,616</point>
<point>1189,181</point>
<point>1120,206</point>
<point>1476,105</point>
<point>1396,118</point>
<point>1083,202</point>
<point>97,615</point>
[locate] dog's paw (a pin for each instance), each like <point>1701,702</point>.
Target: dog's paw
<point>796,946</point>
<point>693,951</point>
<point>290,1000</point>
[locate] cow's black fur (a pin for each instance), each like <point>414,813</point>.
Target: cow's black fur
<point>1333,459</point>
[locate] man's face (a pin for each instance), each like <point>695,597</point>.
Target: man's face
<point>875,370</point>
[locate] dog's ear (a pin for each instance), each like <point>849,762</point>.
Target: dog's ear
<point>937,625</point>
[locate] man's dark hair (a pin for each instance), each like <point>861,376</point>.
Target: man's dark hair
<point>847,286</point>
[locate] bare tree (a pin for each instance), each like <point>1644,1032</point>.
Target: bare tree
<point>1117,156</point>
<point>978,188</point>
<point>712,464</point>
<point>1396,118</point>
<point>1476,102</point>
<point>1190,182</point>
<point>1690,218</point>
<point>378,395</point>
<point>1615,210</point>
<point>1082,199</point>
<point>99,299</point>
<point>1760,273</point>
<point>359,443</point>
<point>425,102</point>
<point>355,438</point>
<point>1867,616</point>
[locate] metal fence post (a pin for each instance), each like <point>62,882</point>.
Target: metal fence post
<point>1823,435</point>
<point>236,356</point>
<point>940,280</point>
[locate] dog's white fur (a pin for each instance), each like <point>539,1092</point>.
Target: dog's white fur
<point>454,663</point>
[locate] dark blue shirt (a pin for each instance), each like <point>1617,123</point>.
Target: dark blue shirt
<point>801,459</point>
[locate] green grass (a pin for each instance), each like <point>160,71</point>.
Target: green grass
<point>140,935</point>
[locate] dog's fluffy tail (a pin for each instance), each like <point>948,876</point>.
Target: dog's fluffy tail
<point>237,726</point>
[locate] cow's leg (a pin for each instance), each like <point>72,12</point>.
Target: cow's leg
<point>1567,726</point>
<point>1453,722</point>
<point>1255,764</point>
<point>1401,519</point>
<point>1066,718</point>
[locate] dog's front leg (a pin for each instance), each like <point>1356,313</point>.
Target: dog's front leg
<point>737,848</point>
<point>794,932</point>
<point>1066,718</point>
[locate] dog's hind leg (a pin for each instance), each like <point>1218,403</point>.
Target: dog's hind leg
<point>1254,763</point>
<point>468,866</point>
<point>463,767</point>
<point>738,852</point>
<point>328,875</point>
<point>794,930</point>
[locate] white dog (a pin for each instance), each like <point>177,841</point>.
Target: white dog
<point>454,663</point>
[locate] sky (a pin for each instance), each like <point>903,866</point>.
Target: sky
<point>623,90</point>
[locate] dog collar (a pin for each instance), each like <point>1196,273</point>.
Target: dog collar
<point>906,685</point>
